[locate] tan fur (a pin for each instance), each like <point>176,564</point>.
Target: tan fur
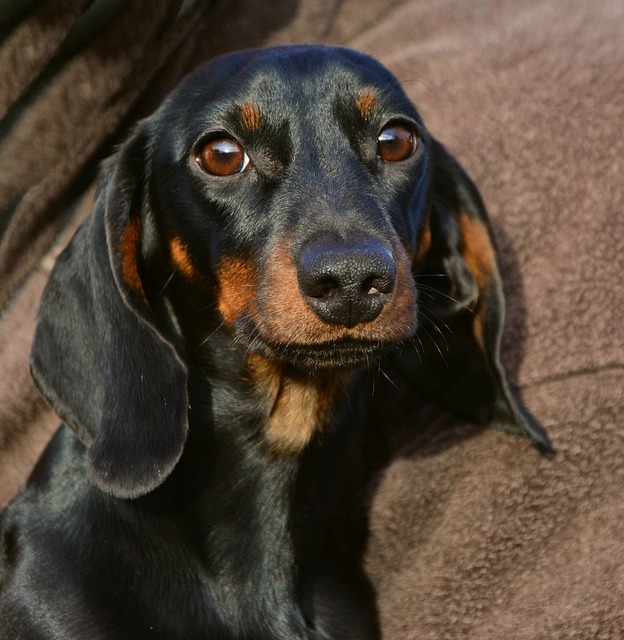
<point>366,103</point>
<point>285,317</point>
<point>251,116</point>
<point>477,250</point>
<point>478,253</point>
<point>424,244</point>
<point>130,240</point>
<point>238,286</point>
<point>298,407</point>
<point>181,258</point>
<point>183,262</point>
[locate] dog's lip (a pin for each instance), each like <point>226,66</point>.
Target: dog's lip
<point>341,353</point>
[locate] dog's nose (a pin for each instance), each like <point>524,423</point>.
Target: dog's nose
<point>346,284</point>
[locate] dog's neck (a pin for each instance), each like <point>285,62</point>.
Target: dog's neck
<point>253,443</point>
<point>292,407</point>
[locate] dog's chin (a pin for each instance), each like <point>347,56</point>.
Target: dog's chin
<point>344,354</point>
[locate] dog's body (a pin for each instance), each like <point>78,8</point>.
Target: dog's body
<point>255,243</point>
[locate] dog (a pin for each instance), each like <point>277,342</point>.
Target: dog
<point>255,245</point>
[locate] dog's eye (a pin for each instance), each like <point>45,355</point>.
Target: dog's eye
<point>223,157</point>
<point>396,143</point>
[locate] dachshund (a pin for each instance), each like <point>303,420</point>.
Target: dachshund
<point>255,246</point>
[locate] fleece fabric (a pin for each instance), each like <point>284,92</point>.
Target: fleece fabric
<point>472,534</point>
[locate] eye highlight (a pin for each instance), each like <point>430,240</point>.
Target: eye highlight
<point>223,157</point>
<point>396,143</point>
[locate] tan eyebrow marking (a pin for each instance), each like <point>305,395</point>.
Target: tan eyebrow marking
<point>366,103</point>
<point>251,116</point>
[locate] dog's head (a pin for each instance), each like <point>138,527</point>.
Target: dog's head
<point>287,201</point>
<point>290,185</point>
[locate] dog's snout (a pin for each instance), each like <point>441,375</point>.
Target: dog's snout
<point>346,284</point>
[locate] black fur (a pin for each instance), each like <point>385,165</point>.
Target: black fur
<point>201,337</point>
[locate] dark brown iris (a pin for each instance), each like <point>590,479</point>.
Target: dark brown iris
<point>396,143</point>
<point>223,157</point>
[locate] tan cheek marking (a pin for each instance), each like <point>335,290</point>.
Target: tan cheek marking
<point>481,313</point>
<point>477,250</point>
<point>182,262</point>
<point>238,283</point>
<point>286,317</point>
<point>366,103</point>
<point>298,408</point>
<point>251,116</point>
<point>424,244</point>
<point>130,240</point>
<point>265,375</point>
<point>479,254</point>
<point>181,258</point>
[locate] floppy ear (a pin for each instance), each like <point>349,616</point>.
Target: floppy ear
<point>463,308</point>
<point>98,357</point>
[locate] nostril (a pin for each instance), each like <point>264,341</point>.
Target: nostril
<point>370,288</point>
<point>330,288</point>
<point>381,278</point>
<point>374,287</point>
<point>321,288</point>
<point>346,284</point>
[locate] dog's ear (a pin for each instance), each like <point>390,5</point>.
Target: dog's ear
<point>463,308</point>
<point>98,356</point>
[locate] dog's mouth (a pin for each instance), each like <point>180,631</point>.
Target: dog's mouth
<point>337,306</point>
<point>344,353</point>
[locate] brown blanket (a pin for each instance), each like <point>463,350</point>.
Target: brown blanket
<point>472,533</point>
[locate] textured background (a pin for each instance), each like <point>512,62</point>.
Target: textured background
<point>472,533</point>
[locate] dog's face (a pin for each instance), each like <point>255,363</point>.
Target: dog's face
<point>272,221</point>
<point>289,186</point>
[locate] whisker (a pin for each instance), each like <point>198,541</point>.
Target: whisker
<point>167,283</point>
<point>387,377</point>
<point>210,335</point>
<point>345,388</point>
<point>373,386</point>
<point>431,275</point>
<point>423,315</point>
<point>437,292</point>
<point>418,353</point>
<point>435,344</point>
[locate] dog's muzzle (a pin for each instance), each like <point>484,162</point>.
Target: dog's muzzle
<point>346,284</point>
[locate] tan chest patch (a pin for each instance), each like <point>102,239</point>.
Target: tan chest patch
<point>298,407</point>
